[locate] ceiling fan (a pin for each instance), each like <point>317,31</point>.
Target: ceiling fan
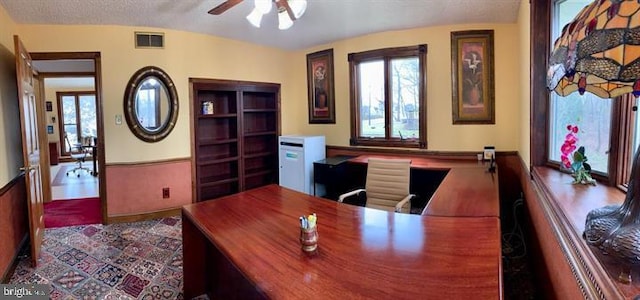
<point>292,9</point>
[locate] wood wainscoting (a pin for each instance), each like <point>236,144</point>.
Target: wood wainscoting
<point>14,225</point>
<point>550,266</point>
<point>136,189</point>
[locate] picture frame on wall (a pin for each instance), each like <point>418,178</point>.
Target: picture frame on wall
<point>320,86</point>
<point>49,105</point>
<point>472,76</point>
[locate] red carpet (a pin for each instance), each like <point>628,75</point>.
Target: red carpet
<point>61,213</point>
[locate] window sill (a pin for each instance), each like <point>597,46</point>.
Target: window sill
<point>566,206</point>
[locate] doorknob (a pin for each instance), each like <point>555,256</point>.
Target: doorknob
<point>29,168</point>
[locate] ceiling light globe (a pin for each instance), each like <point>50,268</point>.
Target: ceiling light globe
<point>298,7</point>
<point>263,6</point>
<point>284,22</point>
<point>255,17</point>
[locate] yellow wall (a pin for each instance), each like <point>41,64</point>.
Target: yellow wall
<point>441,133</point>
<point>10,139</point>
<point>524,24</point>
<point>185,55</point>
<point>195,55</point>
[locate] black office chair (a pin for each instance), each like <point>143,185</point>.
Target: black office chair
<point>79,154</point>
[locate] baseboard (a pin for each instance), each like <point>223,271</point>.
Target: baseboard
<point>14,261</point>
<point>145,216</point>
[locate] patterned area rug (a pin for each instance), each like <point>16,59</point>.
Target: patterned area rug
<point>141,260</point>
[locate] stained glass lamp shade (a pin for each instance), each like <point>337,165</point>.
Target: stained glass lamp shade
<point>599,51</point>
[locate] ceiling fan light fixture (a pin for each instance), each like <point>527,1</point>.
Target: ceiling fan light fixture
<point>255,17</point>
<point>263,6</point>
<point>298,7</point>
<point>284,22</point>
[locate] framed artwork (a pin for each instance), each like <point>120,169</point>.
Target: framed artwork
<point>472,77</point>
<point>320,87</point>
<point>49,105</point>
<point>49,129</point>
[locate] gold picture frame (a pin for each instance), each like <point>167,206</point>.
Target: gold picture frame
<point>472,76</point>
<point>320,87</point>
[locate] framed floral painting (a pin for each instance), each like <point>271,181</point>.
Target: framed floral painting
<point>472,77</point>
<point>320,87</point>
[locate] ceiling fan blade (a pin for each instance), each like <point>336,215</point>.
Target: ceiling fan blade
<point>224,6</point>
<point>285,4</point>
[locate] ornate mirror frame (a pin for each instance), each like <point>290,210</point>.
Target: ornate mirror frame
<point>129,104</point>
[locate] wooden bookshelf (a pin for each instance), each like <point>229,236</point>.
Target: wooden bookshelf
<point>235,146</point>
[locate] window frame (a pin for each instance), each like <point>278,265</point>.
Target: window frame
<point>542,14</point>
<point>387,54</point>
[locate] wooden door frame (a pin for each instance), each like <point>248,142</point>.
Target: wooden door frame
<point>97,75</point>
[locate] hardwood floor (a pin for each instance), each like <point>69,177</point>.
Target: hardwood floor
<point>72,186</point>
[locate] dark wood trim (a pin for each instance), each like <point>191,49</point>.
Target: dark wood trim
<point>97,60</point>
<point>64,55</point>
<point>386,54</point>
<point>11,184</point>
<point>150,163</point>
<point>14,261</point>
<point>540,45</point>
<point>66,74</point>
<point>588,272</point>
<point>249,86</point>
<point>102,178</point>
<point>145,216</point>
<point>355,150</point>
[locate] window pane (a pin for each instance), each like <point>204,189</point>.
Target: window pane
<point>405,98</point>
<point>590,113</point>
<point>371,87</point>
<point>69,109</point>
<point>88,121</point>
<point>146,108</point>
<point>593,116</point>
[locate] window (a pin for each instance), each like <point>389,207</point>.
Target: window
<point>77,115</point>
<point>590,113</point>
<point>608,127</point>
<point>388,97</point>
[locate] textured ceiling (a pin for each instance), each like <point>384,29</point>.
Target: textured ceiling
<point>324,21</point>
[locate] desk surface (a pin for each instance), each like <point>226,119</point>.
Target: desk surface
<point>362,252</point>
<point>468,189</point>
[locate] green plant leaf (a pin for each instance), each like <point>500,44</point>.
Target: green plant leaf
<point>578,156</point>
<point>581,150</point>
<point>587,166</point>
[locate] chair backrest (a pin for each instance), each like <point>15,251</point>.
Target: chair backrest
<point>387,182</point>
<point>74,149</point>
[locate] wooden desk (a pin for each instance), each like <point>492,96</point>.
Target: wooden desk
<point>246,246</point>
<point>468,189</point>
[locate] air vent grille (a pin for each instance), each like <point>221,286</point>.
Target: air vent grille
<point>149,40</point>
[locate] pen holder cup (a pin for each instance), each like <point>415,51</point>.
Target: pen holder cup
<point>309,239</point>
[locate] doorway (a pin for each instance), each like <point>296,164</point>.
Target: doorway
<point>71,91</point>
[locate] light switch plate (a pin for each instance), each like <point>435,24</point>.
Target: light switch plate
<point>118,119</point>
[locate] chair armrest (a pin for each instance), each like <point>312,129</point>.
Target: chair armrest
<point>349,194</point>
<point>403,202</point>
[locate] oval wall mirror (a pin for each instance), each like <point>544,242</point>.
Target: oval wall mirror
<point>151,104</point>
